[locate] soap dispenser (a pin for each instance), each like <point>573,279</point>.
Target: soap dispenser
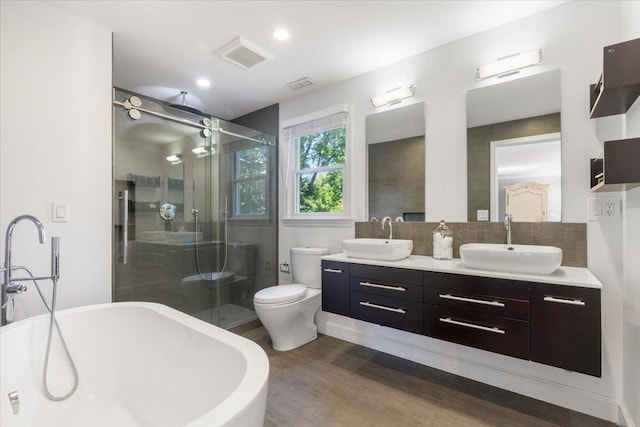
<point>442,242</point>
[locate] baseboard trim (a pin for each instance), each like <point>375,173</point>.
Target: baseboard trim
<point>626,420</point>
<point>556,393</point>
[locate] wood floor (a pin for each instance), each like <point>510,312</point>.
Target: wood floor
<point>330,382</point>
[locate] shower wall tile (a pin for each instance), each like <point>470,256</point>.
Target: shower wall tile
<point>570,237</point>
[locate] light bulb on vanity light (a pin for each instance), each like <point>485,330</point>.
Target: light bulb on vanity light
<point>509,64</point>
<point>393,96</point>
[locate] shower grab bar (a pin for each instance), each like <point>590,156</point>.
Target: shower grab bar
<point>187,122</point>
<point>123,197</point>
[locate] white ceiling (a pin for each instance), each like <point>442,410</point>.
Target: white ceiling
<point>162,47</point>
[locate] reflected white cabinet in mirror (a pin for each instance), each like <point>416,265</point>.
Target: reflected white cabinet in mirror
<point>514,139</point>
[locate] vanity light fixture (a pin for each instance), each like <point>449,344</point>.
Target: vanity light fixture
<point>173,158</point>
<point>509,64</point>
<point>203,150</point>
<point>393,96</point>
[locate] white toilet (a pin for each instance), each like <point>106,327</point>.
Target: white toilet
<point>288,311</point>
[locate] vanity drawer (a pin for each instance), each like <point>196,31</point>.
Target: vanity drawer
<point>484,331</point>
<point>392,312</point>
<point>477,285</point>
<point>386,274</point>
<point>386,288</point>
<point>488,304</point>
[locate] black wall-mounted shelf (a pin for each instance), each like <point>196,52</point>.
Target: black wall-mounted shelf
<point>619,84</point>
<point>619,169</point>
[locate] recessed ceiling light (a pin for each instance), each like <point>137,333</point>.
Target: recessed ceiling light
<point>203,83</point>
<point>281,34</point>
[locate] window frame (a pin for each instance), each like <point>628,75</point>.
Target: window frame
<point>235,181</point>
<point>293,215</point>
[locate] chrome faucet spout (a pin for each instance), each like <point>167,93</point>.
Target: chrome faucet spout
<point>389,220</point>
<point>6,284</point>
<point>508,219</point>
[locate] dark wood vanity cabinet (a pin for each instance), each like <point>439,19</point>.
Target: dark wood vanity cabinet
<point>387,296</point>
<point>485,313</point>
<point>335,287</point>
<point>565,327</point>
<point>558,325</point>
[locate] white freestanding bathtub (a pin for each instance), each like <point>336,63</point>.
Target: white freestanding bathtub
<point>140,364</point>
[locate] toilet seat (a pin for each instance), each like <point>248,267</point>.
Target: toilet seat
<point>281,294</point>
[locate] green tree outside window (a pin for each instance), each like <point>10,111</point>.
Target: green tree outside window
<point>320,176</point>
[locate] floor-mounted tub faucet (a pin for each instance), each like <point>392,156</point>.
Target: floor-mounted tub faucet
<point>508,219</point>
<point>385,220</point>
<point>8,287</point>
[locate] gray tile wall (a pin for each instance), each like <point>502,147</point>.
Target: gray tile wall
<point>570,237</point>
<point>396,177</point>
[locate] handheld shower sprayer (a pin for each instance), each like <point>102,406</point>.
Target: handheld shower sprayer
<point>55,258</point>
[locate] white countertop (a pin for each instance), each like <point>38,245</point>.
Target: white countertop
<point>570,276</point>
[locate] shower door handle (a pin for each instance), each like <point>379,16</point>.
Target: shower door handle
<point>123,197</point>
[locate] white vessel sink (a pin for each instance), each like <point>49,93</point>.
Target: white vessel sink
<point>378,249</point>
<point>526,259</point>
<point>184,236</point>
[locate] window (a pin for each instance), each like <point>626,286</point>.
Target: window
<point>320,175</point>
<point>248,178</point>
<point>318,155</point>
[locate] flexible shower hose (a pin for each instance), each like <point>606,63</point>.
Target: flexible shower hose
<point>224,264</point>
<point>52,322</point>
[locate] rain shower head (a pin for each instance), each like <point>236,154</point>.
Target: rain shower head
<point>185,107</point>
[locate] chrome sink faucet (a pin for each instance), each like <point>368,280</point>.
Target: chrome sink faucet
<point>508,219</point>
<point>8,287</point>
<point>385,220</point>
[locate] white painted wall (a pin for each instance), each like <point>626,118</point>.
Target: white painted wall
<point>55,145</point>
<point>572,37</point>
<point>631,250</point>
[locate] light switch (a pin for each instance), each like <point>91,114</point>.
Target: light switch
<point>60,212</point>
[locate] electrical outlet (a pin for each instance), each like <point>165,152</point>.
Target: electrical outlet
<point>284,267</point>
<point>604,209</point>
<point>609,208</point>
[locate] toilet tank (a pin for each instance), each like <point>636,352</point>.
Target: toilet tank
<point>305,265</point>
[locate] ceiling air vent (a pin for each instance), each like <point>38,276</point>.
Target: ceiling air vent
<point>299,84</point>
<point>243,53</point>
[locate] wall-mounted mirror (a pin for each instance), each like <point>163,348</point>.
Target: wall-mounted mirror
<point>396,159</point>
<point>513,150</point>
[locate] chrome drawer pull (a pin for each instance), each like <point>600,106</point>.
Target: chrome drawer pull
<point>382,307</point>
<point>476,301</point>
<point>471,325</point>
<point>376,285</point>
<point>331,270</point>
<point>565,301</point>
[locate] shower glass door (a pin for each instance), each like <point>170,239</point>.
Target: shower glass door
<point>194,211</point>
<point>164,187</point>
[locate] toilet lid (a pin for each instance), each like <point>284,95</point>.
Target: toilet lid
<point>280,294</point>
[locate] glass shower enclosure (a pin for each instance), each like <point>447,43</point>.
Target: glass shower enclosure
<point>194,210</point>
